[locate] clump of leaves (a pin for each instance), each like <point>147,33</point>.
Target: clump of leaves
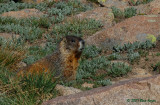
<point>134,50</point>
<point>129,12</point>
<point>138,2</point>
<point>77,27</point>
<point>4,1</point>
<point>114,56</point>
<point>91,52</point>
<point>134,46</point>
<point>43,21</point>
<point>29,90</point>
<point>67,8</point>
<point>26,32</point>
<point>37,52</point>
<point>11,52</point>
<point>89,68</point>
<point>103,82</point>
<point>156,67</point>
<point>12,6</point>
<point>117,12</point>
<point>120,15</point>
<point>133,56</point>
<point>118,69</point>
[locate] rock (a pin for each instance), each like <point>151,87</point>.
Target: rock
<point>104,15</point>
<point>21,64</point>
<point>25,13</point>
<point>139,73</point>
<point>88,85</point>
<point>116,3</point>
<point>9,35</point>
<point>142,9</point>
<point>133,29</point>
<point>150,8</point>
<point>123,93</point>
<point>63,90</point>
<point>155,7</point>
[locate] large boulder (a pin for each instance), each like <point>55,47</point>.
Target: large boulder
<point>25,13</point>
<point>104,15</point>
<point>121,4</point>
<point>155,7</point>
<point>150,8</point>
<point>144,91</point>
<point>133,29</point>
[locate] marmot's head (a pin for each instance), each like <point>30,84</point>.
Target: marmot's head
<point>72,44</point>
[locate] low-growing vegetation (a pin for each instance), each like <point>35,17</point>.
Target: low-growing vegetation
<point>78,27</point>
<point>29,90</point>
<point>39,36</point>
<point>138,2</point>
<point>120,15</point>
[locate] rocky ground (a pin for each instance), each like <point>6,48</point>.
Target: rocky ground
<point>119,26</point>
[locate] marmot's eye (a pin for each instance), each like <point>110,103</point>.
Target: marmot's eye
<point>72,40</point>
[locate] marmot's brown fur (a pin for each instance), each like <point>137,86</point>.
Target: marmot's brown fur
<point>63,62</point>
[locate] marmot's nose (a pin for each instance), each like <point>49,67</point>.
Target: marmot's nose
<point>83,42</point>
<point>81,45</point>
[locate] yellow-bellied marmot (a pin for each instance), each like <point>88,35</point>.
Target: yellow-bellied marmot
<point>63,62</point>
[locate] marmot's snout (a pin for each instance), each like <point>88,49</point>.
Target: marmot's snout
<point>81,45</point>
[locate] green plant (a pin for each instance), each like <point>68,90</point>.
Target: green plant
<point>129,12</point>
<point>117,12</point>
<point>138,2</point>
<point>29,90</point>
<point>120,15</point>
<point>132,2</point>
<point>89,68</point>
<point>156,67</point>
<point>43,21</point>
<point>91,52</point>
<point>114,56</point>
<point>4,1</point>
<point>157,54</point>
<point>77,27</point>
<point>143,53</point>
<point>11,53</point>
<point>12,6</point>
<point>133,56</point>
<point>67,8</point>
<point>104,82</point>
<point>134,46</point>
<point>27,33</point>
<point>146,1</point>
<point>36,52</point>
<point>118,69</point>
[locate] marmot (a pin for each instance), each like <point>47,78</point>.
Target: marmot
<point>64,61</point>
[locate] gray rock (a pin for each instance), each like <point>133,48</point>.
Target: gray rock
<point>63,90</point>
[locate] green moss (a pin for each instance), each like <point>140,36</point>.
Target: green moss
<point>152,38</point>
